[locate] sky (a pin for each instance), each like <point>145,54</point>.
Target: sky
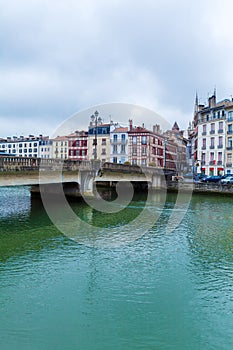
<point>59,57</point>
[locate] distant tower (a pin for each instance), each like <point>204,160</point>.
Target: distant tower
<point>196,104</point>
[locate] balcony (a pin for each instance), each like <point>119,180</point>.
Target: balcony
<point>212,132</point>
<point>219,162</point>
<point>229,132</point>
<point>212,162</point>
<point>220,131</point>
<point>123,142</point>
<point>203,162</point>
<point>228,165</point>
<point>212,147</point>
<point>220,146</point>
<point>204,133</point>
<point>203,147</point>
<point>229,148</point>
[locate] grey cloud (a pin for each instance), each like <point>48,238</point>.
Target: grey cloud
<point>59,57</point>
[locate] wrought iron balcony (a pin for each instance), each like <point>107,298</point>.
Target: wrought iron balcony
<point>220,146</point>
<point>220,131</point>
<point>229,148</point>
<point>229,132</point>
<point>219,162</point>
<point>212,147</point>
<point>204,133</point>
<point>212,132</point>
<point>228,165</point>
<point>212,162</point>
<point>203,147</point>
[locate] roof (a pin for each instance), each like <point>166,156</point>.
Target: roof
<point>138,129</point>
<point>78,133</point>
<point>120,129</point>
<point>61,138</point>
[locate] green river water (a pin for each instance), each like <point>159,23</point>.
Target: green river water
<point>165,290</point>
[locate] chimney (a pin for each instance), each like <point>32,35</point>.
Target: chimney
<point>212,101</point>
<point>156,129</point>
<point>130,124</point>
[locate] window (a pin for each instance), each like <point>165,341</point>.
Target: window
<point>229,142</point>
<point>114,149</point>
<point>144,151</point>
<point>229,157</point>
<point>204,143</point>
<point>122,149</point>
<point>114,159</point>
<point>25,150</point>
<point>35,150</point>
<point>20,145</point>
<point>134,161</point>
<point>212,128</point>
<point>122,137</point>
<point>134,151</point>
<point>143,140</point>
<point>211,156</point>
<point>230,116</point>
<point>9,146</point>
<point>229,129</point>
<point>219,156</point>
<point>77,143</point>
<point>104,142</point>
<point>220,141</point>
<point>204,129</point>
<point>134,140</point>
<point>30,150</point>
<point>220,127</point>
<point>103,151</point>
<point>115,138</point>
<point>143,161</point>
<point>212,142</point>
<point>203,157</point>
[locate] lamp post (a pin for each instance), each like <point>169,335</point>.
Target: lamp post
<point>96,114</point>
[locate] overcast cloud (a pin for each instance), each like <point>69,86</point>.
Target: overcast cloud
<point>62,56</point>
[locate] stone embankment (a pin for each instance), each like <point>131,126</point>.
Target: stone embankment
<point>200,187</point>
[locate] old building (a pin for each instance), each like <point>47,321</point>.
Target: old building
<point>99,139</point>
<point>145,147</point>
<point>22,146</point>
<point>60,147</point>
<point>78,148</point>
<point>119,145</point>
<point>211,125</point>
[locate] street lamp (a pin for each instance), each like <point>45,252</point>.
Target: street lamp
<point>96,114</point>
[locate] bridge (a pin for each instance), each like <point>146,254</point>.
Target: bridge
<point>77,177</point>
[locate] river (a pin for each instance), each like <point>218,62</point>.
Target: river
<point>164,290</point>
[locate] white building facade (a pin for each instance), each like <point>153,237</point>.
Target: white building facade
<point>119,145</point>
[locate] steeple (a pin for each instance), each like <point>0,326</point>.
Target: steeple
<point>196,104</point>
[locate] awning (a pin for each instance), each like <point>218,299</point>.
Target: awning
<point>220,169</point>
<point>211,169</point>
